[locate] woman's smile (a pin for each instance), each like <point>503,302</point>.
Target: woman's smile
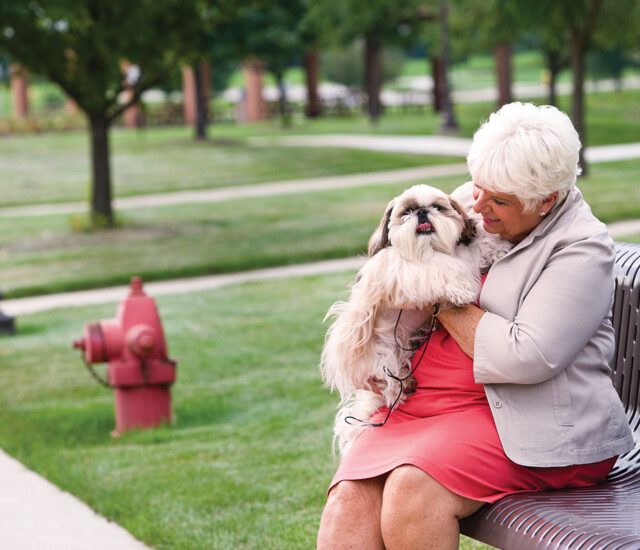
<point>490,221</point>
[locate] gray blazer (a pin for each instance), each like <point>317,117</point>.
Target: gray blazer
<point>543,347</point>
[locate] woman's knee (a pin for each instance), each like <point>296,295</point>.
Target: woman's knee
<point>357,495</point>
<point>352,510</point>
<point>406,492</point>
<point>412,494</point>
<point>416,512</point>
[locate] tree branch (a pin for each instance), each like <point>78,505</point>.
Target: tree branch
<point>137,94</point>
<point>589,24</point>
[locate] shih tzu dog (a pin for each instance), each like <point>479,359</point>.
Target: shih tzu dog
<point>427,250</point>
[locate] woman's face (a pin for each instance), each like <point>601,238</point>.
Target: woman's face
<point>503,214</point>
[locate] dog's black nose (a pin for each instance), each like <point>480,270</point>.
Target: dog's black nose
<point>423,215</point>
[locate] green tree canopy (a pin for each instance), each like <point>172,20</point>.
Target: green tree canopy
<point>377,23</point>
<point>82,44</point>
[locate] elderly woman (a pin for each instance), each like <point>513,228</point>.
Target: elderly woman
<point>514,393</point>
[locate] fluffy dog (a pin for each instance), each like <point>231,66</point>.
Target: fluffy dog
<point>426,251</point>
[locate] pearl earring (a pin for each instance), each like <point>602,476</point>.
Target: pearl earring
<point>543,213</point>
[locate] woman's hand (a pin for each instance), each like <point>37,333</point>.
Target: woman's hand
<point>461,324</point>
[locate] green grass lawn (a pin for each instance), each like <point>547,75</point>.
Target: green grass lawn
<point>54,167</point>
<point>478,71</point>
<point>42,254</point>
<point>248,461</point>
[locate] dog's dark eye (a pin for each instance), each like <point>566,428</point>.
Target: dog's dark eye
<point>438,207</point>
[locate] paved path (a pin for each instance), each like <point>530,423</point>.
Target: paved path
<point>427,145</point>
<point>433,145</point>
<point>36,304</point>
<point>36,515</point>
<point>250,191</point>
<point>447,146</point>
<point>532,89</point>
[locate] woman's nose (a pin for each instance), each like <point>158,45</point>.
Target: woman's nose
<point>479,203</point>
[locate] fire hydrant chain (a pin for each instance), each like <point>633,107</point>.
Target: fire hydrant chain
<point>102,381</point>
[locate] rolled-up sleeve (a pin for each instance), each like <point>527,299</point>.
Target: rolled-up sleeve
<point>559,315</point>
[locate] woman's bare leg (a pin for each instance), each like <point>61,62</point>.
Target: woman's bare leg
<point>351,517</point>
<point>418,512</point>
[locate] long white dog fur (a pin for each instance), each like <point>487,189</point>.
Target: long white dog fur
<point>427,250</point>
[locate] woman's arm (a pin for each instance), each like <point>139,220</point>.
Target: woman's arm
<point>557,317</point>
<point>461,324</point>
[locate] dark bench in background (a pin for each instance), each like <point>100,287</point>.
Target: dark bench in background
<point>603,517</point>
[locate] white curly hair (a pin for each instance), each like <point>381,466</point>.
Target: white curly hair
<point>526,150</point>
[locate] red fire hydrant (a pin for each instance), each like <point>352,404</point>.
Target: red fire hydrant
<point>139,370</point>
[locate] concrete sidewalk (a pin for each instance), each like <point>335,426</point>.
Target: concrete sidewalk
<point>268,189</point>
<point>426,145</point>
<point>37,515</point>
<point>36,304</point>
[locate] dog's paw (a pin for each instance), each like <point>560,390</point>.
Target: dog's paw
<point>409,386</point>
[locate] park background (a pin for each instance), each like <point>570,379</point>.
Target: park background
<point>103,102</point>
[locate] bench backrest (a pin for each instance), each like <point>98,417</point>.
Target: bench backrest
<point>625,365</point>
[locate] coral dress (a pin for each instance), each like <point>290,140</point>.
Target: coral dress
<point>446,429</point>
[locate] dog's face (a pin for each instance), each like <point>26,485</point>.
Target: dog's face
<point>422,218</point>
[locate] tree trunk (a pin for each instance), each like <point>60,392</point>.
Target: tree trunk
<point>502,58</point>
<point>101,213</point>
<point>553,67</point>
<point>283,106</point>
<point>188,96</point>
<point>373,76</point>
<point>577,108</point>
<point>439,85</point>
<point>449,123</point>
<point>253,107</point>
<point>201,84</point>
<point>19,91</point>
<point>313,108</point>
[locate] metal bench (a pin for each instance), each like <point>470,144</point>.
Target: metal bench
<point>606,516</point>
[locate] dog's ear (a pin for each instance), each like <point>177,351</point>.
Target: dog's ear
<point>469,231</point>
<point>380,237</point>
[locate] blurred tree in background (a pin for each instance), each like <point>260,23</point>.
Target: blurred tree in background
<point>582,23</point>
<point>105,53</point>
<point>616,39</point>
<point>344,64</point>
<point>275,34</point>
<point>81,45</point>
<point>492,26</point>
<point>377,24</point>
